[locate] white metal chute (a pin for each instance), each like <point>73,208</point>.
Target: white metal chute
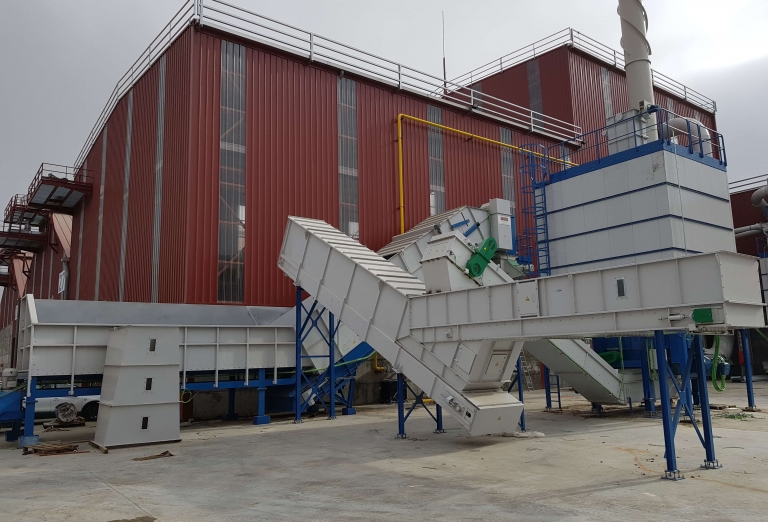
<point>371,296</point>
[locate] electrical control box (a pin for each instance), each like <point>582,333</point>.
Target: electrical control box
<point>501,214</point>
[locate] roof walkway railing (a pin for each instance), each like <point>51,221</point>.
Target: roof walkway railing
<point>239,21</point>
<point>572,37</point>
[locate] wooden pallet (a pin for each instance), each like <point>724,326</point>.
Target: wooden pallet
<point>54,448</point>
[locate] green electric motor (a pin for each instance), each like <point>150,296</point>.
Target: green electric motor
<point>482,256</point>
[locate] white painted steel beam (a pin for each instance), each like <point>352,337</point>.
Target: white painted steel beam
<point>448,343</point>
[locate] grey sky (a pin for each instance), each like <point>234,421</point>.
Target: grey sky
<point>60,60</point>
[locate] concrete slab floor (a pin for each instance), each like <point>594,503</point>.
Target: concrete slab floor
<point>586,468</point>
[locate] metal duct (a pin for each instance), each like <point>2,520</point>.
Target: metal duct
<point>680,127</point>
<point>637,51</point>
<point>758,196</point>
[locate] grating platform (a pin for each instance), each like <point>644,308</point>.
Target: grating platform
<point>58,188</point>
<point>17,212</point>
<point>13,237</point>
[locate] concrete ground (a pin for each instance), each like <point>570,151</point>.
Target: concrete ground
<point>584,468</point>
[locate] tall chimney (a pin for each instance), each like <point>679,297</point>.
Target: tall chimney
<point>637,51</point>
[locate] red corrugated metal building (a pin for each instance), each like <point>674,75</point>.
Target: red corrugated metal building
<point>200,161</point>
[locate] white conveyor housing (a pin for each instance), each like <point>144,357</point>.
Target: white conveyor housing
<point>459,346</point>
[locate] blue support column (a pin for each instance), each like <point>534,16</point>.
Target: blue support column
<point>261,416</point>
<point>400,407</point>
<point>297,418</point>
<point>703,396</point>
<point>547,388</point>
<point>29,438</point>
<point>660,344</point>
<point>747,369</point>
<point>520,391</point>
<point>439,419</point>
<point>14,433</point>
<point>649,393</point>
<point>231,415</point>
<point>350,410</point>
<point>332,365</point>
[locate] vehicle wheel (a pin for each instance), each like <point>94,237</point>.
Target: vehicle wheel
<point>91,411</point>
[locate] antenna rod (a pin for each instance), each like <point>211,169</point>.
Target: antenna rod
<point>445,76</point>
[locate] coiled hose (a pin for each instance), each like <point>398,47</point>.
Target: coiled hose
<point>719,387</point>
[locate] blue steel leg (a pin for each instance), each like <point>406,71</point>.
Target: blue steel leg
<point>261,416</point>
<point>297,418</point>
<point>29,438</point>
<point>13,434</point>
<point>649,394</point>
<point>660,343</point>
<point>350,410</point>
<point>332,366</point>
<point>231,415</point>
<point>559,402</point>
<point>747,369</point>
<point>703,393</point>
<point>547,388</point>
<point>400,407</point>
<point>520,391</point>
<point>439,419</point>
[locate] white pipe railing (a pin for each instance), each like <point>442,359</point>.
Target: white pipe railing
<point>233,19</point>
<point>590,46</point>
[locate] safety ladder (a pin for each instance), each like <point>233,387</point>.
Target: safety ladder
<point>526,372</point>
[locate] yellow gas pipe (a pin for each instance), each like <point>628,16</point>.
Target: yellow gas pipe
<point>401,117</point>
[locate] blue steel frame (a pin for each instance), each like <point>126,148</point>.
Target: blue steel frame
<point>316,386</point>
<point>261,383</point>
<point>418,400</point>
<point>548,388</point>
<point>533,245</point>
<point>692,374</point>
<point>747,369</point>
<point>649,390</point>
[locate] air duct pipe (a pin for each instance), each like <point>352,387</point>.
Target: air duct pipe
<point>758,196</point>
<point>751,230</point>
<point>637,63</point>
<point>679,127</point>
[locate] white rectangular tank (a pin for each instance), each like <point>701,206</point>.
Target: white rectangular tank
<point>657,206</point>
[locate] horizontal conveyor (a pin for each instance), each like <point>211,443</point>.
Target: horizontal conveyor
<point>459,346</point>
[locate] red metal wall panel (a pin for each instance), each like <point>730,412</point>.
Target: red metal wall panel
<point>378,178</point>
<point>8,305</point>
<point>90,218</point>
<point>472,167</point>
<point>138,259</point>
<point>587,92</point>
<point>203,192</point>
<point>510,85</point>
<point>53,268</point>
<point>114,179</point>
<point>291,163</point>
<point>556,84</point>
<point>744,214</point>
<point>176,211</point>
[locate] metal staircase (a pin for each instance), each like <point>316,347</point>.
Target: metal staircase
<point>526,372</point>
<point>534,243</point>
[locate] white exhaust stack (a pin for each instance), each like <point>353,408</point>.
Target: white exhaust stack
<point>637,63</point>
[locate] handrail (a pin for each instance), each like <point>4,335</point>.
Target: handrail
<point>233,19</point>
<point>742,185</point>
<point>595,144</point>
<point>578,40</point>
<point>62,172</point>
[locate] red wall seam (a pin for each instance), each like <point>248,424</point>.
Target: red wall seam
<point>138,257</point>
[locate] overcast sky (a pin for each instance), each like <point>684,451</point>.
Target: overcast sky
<point>61,60</point>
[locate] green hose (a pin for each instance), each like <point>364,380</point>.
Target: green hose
<point>719,387</point>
